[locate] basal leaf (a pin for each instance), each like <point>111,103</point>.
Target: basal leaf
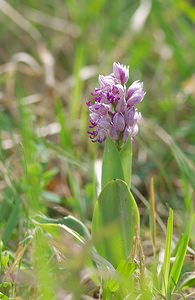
<point>115,222</point>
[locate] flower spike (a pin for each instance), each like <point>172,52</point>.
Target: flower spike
<point>112,107</point>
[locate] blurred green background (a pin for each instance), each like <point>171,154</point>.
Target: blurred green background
<point>50,57</point>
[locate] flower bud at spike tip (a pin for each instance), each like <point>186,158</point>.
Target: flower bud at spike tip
<point>121,72</point>
<point>112,107</point>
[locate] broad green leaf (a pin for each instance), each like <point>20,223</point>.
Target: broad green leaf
<point>70,221</point>
<point>111,165</point>
<point>115,222</point>
<point>56,229</point>
<point>59,230</point>
<point>180,256</point>
<point>166,264</point>
<point>126,160</point>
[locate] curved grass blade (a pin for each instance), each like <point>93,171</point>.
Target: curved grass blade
<point>188,282</point>
<point>70,221</point>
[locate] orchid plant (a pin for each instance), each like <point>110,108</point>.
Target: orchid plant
<point>114,119</point>
<point>114,240</point>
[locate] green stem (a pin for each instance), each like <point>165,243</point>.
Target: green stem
<point>126,160</point>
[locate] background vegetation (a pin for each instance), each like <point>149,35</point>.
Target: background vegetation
<point>51,54</point>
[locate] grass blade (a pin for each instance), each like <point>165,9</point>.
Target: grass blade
<point>166,264</point>
<point>180,256</point>
<point>152,215</point>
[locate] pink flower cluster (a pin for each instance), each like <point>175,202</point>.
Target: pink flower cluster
<point>112,110</point>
